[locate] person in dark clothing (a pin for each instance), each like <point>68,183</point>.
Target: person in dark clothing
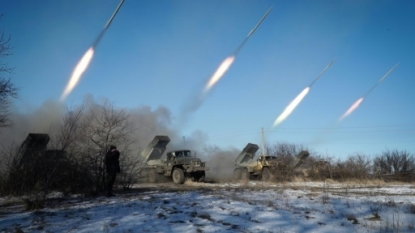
<point>113,167</point>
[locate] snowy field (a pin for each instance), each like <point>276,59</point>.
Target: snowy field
<point>224,207</point>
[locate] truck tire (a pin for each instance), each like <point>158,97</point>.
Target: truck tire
<point>152,176</point>
<point>244,174</point>
<point>178,176</point>
<point>237,174</point>
<point>266,174</point>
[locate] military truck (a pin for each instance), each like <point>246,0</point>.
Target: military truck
<point>266,167</point>
<point>177,164</point>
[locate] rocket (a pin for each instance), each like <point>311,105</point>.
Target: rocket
<point>113,14</point>
<point>321,74</point>
<point>381,79</point>
<point>252,31</point>
<point>107,24</point>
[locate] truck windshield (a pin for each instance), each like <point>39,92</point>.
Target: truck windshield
<point>185,153</point>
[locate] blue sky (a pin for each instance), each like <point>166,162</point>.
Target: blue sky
<point>160,53</point>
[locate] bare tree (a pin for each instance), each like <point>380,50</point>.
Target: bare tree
<point>394,162</point>
<point>286,163</point>
<point>85,136</point>
<point>70,130</point>
<point>7,89</point>
<point>69,140</point>
<point>104,126</point>
<point>359,166</point>
<point>284,151</point>
<point>7,162</point>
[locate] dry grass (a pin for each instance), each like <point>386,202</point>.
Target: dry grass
<point>298,179</point>
<point>191,183</point>
<point>363,182</point>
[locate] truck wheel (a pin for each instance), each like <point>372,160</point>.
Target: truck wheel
<point>266,174</point>
<point>152,176</point>
<point>178,176</point>
<point>244,174</point>
<point>237,174</point>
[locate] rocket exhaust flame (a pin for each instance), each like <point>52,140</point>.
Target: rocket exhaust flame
<point>352,108</point>
<point>288,110</point>
<point>78,71</point>
<point>86,59</point>
<point>224,66</point>
<point>356,104</point>
<point>197,100</point>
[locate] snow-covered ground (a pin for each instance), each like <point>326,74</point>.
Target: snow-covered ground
<point>224,207</point>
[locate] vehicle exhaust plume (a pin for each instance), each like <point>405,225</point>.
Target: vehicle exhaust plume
<point>356,104</point>
<point>290,108</point>
<point>86,59</point>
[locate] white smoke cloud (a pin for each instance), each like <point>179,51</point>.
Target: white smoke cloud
<point>146,121</point>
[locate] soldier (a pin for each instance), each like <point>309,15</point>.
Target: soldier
<point>113,167</point>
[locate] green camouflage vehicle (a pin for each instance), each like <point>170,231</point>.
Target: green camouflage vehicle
<point>266,167</point>
<point>177,164</point>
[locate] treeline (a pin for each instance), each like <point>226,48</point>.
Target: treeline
<point>388,165</point>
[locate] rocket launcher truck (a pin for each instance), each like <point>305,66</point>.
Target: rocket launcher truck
<point>177,164</point>
<point>266,167</point>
